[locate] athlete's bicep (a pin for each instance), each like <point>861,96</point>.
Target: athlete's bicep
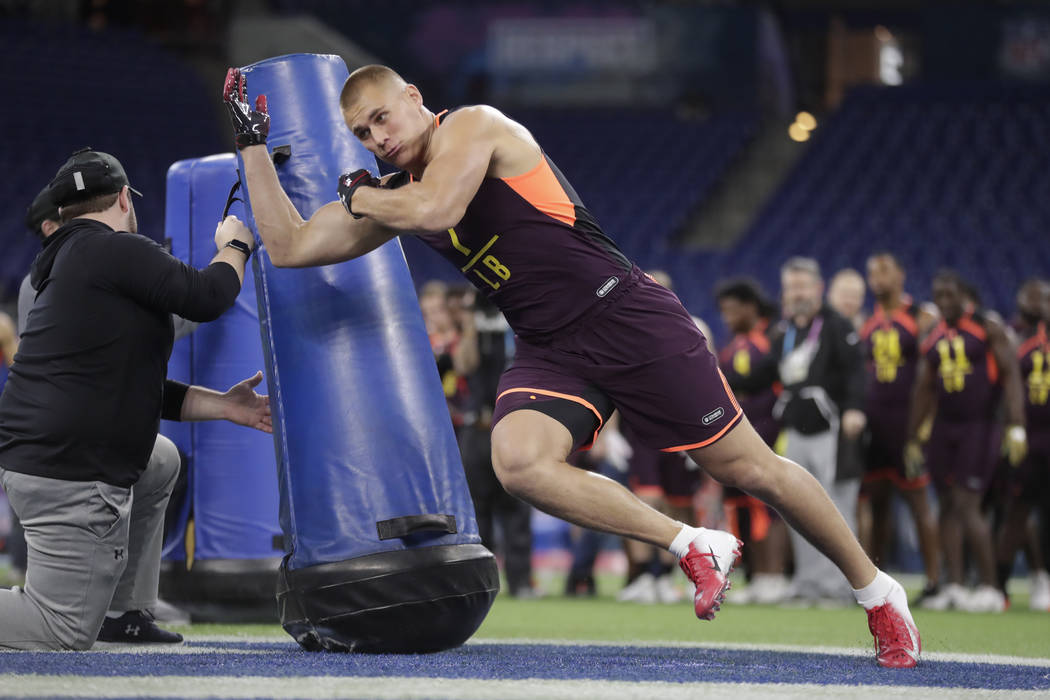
<point>462,155</point>
<point>331,236</point>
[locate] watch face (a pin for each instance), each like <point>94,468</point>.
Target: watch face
<point>241,246</point>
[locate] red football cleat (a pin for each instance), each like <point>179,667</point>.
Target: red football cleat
<point>897,641</point>
<point>707,564</point>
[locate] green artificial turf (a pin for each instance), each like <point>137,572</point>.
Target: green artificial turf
<point>1018,632</point>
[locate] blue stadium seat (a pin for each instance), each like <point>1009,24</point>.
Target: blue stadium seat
<point>71,87</point>
<point>950,175</point>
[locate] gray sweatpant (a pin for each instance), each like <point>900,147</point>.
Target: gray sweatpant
<point>815,575</point>
<point>92,546</point>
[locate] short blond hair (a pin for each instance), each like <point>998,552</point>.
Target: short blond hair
<point>364,76</point>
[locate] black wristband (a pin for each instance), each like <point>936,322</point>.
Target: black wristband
<point>241,246</point>
<point>173,398</point>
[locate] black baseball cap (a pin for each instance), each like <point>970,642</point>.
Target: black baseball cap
<point>87,173</point>
<point>41,210</point>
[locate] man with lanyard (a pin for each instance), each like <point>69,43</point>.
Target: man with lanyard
<point>821,369</point>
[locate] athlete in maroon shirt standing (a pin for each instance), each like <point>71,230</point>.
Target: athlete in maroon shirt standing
<point>1029,480</point>
<point>593,332</point>
<point>891,346</point>
<point>967,364</point>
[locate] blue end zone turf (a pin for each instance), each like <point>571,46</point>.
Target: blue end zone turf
<point>531,661</point>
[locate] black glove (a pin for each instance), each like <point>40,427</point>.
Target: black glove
<point>348,184</point>
<point>250,126</point>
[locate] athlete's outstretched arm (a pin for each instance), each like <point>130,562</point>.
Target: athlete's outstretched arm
<point>331,235</point>
<point>462,151</point>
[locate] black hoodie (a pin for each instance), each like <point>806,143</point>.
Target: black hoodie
<point>83,401</point>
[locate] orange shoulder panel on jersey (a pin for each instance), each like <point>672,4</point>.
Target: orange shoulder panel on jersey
<point>966,323</point>
<point>540,188</point>
<point>1033,342</point>
<point>759,340</point>
<point>871,324</point>
<point>904,318</point>
<point>936,334</point>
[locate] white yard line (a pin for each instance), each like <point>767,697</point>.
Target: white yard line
<point>389,688</point>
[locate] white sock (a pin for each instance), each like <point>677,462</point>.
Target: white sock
<point>680,544</point>
<point>114,614</point>
<point>876,592</point>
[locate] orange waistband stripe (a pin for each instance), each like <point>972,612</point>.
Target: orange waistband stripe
<point>568,397</point>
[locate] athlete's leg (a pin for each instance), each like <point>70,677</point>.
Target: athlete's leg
<point>741,459</point>
<point>1033,546</point>
<point>640,584</point>
<point>864,523</point>
<point>926,526</point>
<point>1011,535</point>
<point>476,453</point>
<point>879,499</point>
<point>640,554</point>
<point>529,450</point>
<point>772,550</point>
<point>978,533</point>
<point>649,568</point>
<point>951,534</point>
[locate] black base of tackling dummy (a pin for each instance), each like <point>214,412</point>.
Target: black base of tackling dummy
<point>222,590</point>
<point>404,602</point>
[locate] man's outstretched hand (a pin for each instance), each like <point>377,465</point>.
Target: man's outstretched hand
<point>245,407</point>
<point>250,126</point>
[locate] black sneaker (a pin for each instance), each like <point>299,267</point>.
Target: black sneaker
<point>135,627</point>
<point>577,586</point>
<point>928,593</point>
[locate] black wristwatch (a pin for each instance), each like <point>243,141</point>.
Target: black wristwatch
<point>241,246</point>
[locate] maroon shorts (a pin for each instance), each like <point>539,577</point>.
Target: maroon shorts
<point>664,474</point>
<point>884,454</point>
<point>963,453</point>
<point>640,353</point>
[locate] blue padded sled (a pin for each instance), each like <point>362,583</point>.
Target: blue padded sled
<point>228,543</point>
<point>385,554</point>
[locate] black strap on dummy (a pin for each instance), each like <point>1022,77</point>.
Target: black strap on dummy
<point>408,524</point>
